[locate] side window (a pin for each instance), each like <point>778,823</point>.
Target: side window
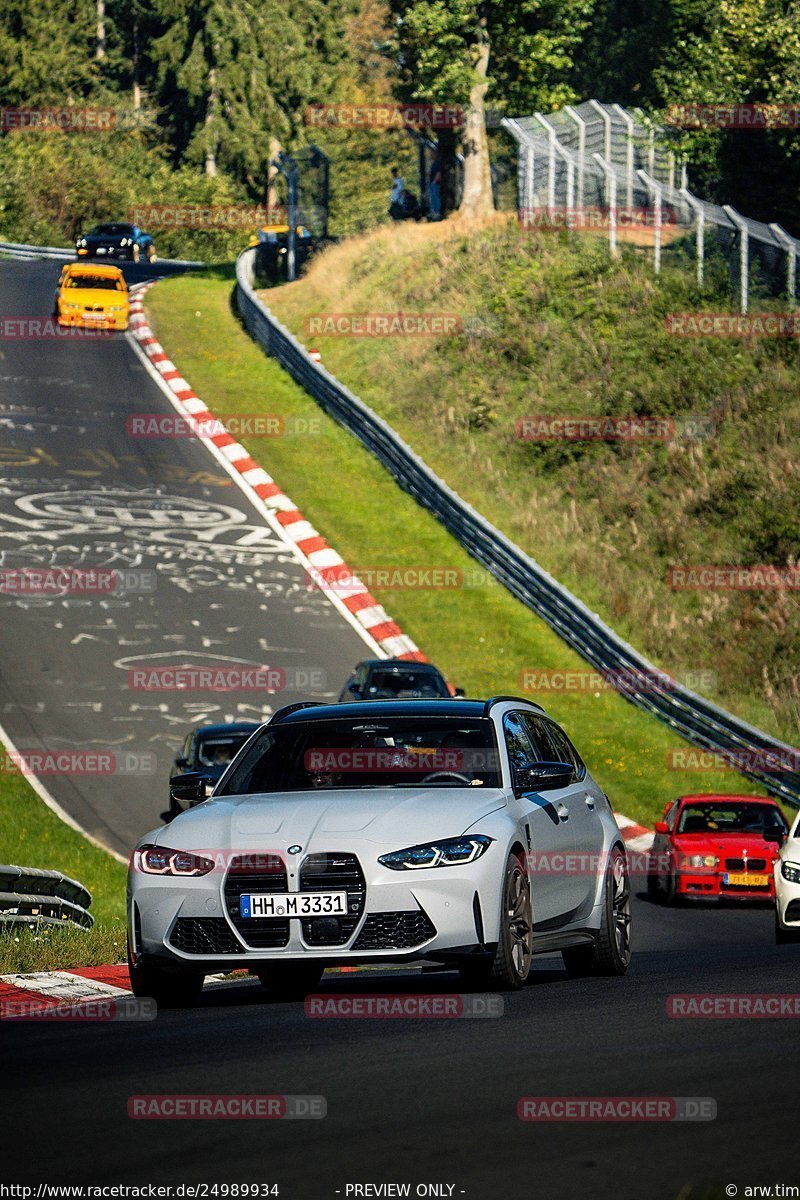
<point>671,814</point>
<point>544,749</point>
<point>188,749</point>
<point>361,678</point>
<point>518,743</point>
<point>565,751</point>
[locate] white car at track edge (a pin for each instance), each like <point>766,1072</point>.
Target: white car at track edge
<point>465,832</point>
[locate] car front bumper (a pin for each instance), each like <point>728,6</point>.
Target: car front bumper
<point>437,913</point>
<point>712,885</point>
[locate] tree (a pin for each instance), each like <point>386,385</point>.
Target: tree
<point>462,52</point>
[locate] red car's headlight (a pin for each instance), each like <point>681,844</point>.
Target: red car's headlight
<point>160,860</point>
<point>696,862</point>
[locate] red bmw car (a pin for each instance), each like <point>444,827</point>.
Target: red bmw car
<point>715,847</point>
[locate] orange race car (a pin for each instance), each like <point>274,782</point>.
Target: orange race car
<point>93,296</point>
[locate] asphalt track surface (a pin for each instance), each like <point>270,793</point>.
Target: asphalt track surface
<point>76,489</point>
<point>423,1101</point>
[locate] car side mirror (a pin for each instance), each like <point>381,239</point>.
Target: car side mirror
<point>774,835</point>
<point>661,827</point>
<point>354,688</point>
<point>459,693</point>
<point>544,776</point>
<point>180,761</point>
<point>192,788</point>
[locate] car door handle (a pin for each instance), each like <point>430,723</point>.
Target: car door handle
<point>563,812</point>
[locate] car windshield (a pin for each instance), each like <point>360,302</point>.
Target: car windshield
<point>730,818</point>
<point>353,752</point>
<point>219,750</point>
<point>391,684</point>
<point>100,230</point>
<point>95,283</point>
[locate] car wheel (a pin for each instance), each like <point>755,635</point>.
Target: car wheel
<point>784,936</point>
<point>291,981</point>
<point>169,989</point>
<point>611,952</point>
<point>511,964</point>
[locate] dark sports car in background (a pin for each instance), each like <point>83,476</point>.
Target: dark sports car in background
<point>209,750</point>
<point>396,679</point>
<point>117,240</point>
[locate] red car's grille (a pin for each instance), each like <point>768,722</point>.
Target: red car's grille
<point>758,865</point>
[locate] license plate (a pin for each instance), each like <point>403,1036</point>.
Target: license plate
<point>94,316</point>
<point>306,904</point>
<point>742,880</point>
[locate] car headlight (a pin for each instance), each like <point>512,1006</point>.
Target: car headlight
<point>160,860</point>
<point>696,861</point>
<point>123,241</point>
<point>450,852</point>
<point>791,871</point>
<point>81,241</point>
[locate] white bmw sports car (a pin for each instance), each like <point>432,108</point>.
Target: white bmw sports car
<point>787,887</point>
<point>459,831</point>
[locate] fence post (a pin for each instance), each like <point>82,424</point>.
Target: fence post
<point>629,125</point>
<point>790,246</point>
<point>606,119</point>
<point>700,227</point>
<point>611,193</point>
<point>655,189</point>
<point>579,121</point>
<point>551,162</point>
<point>744,257</point>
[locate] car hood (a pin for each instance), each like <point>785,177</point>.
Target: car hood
<point>105,239</point>
<point>389,817</point>
<point>790,850</point>
<point>103,297</point>
<point>725,845</point>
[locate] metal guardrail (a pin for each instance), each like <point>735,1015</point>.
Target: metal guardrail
<point>697,719</point>
<point>29,896</point>
<point>24,251</point>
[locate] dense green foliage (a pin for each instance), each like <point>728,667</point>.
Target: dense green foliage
<point>209,92</point>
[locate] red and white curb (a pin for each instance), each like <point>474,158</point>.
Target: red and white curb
<point>325,565</point>
<point>636,837</point>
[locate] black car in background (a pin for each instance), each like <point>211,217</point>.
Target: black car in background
<point>396,679</point>
<point>207,750</point>
<point>116,240</point>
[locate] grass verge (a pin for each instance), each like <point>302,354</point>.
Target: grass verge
<point>480,636</point>
<point>31,835</point>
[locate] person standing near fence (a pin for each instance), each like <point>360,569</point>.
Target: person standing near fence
<point>435,190</point>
